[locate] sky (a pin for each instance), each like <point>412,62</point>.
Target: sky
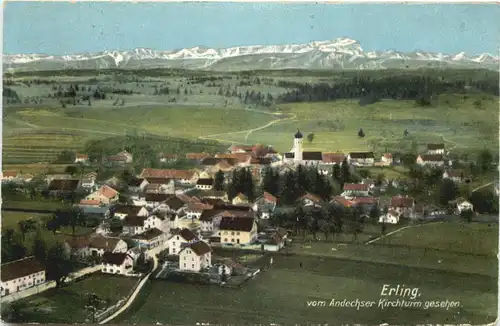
<point>64,28</point>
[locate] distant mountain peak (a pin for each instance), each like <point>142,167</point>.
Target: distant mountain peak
<point>337,53</point>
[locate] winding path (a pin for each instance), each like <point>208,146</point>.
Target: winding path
<point>481,187</point>
<point>248,132</point>
<point>134,295</point>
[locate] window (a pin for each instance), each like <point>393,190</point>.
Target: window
<point>225,239</point>
<point>192,266</point>
<point>237,233</point>
<point>232,240</point>
<point>232,233</point>
<point>184,264</point>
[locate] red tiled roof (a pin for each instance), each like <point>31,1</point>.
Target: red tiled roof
<point>82,156</point>
<point>107,191</point>
<point>240,157</point>
<point>167,173</point>
<point>117,258</point>
<point>198,207</point>
<point>333,157</point>
<point>90,202</point>
<point>267,196</point>
<point>344,202</point>
<point>117,158</point>
<point>365,200</point>
<point>356,187</point>
<point>387,155</point>
<point>455,173</point>
<point>196,156</point>
<point>167,155</point>
<point>312,197</point>
<point>400,201</point>
<point>9,174</point>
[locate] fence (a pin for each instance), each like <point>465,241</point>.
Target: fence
<point>109,311</point>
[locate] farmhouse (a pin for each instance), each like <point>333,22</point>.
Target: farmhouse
<point>194,210</point>
<point>392,217</point>
<point>210,220</point>
<point>356,189</point>
<point>196,156</point>
<point>430,159</point>
<point>157,201</point>
<point>240,199</point>
<point>456,176</point>
<point>117,263</point>
<point>160,186</point>
<point>166,158</point>
<point>137,185</point>
<point>133,224</point>
<point>238,230</point>
<point>195,256</point>
<point>180,176</point>
<point>81,158</point>
<point>435,149</point>
<point>106,195</point>
<point>242,159</point>
<point>88,183</point>
<point>63,186</point>
<point>310,200</point>
<point>361,158</point>
<point>464,205</point>
<point>178,238</point>
<point>8,176</point>
<point>21,274</point>
<point>99,245</point>
<point>150,239</point>
<point>265,205</point>
<point>386,159</point>
<point>205,184</point>
<point>403,205</point>
<point>122,211</point>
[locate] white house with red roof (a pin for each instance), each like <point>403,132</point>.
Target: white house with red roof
<point>333,158</point>
<point>9,175</point>
<point>105,195</point>
<point>356,189</point>
<point>178,239</point>
<point>310,200</point>
<point>392,217</point>
<point>81,158</point>
<point>265,205</point>
<point>117,263</point>
<point>180,176</point>
<point>386,159</point>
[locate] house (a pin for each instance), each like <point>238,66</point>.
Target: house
<point>229,267</point>
<point>274,243</point>
<point>464,205</point>
<point>81,158</point>
<point>195,256</point>
<point>121,211</point>
<point>26,177</point>
<point>435,149</point>
<point>242,159</point>
<point>160,186</point>
<point>356,189</point>
<point>100,244</point>
<point>178,238</point>
<point>136,252</point>
<point>194,210</point>
<point>392,217</point>
<point>430,159</point>
<point>175,204</point>
<point>386,159</point>
<point>9,176</point>
<point>167,158</point>
<point>205,184</point>
<point>99,212</point>
<point>456,176</point>
<point>238,230</point>
<point>137,185</point>
<point>333,158</point>
<point>150,238</point>
<point>156,201</point>
<point>158,221</point>
<point>403,205</point>
<point>312,158</point>
<point>265,205</point>
<point>210,220</point>
<point>361,158</point>
<point>59,176</point>
<point>88,183</point>
<point>106,195</point>
<point>210,194</point>
<point>77,246</point>
<point>21,274</point>
<point>180,176</point>
<point>63,186</point>
<point>196,156</point>
<point>310,200</point>
<point>117,263</point>
<point>121,158</point>
<point>133,224</point>
<point>240,199</point>
<point>341,201</point>
<point>113,182</point>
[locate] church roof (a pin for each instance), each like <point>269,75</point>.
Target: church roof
<point>298,134</point>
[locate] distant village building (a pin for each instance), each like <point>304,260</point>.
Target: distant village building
<point>21,274</point>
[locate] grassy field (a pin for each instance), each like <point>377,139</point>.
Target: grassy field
<point>11,219</point>
<point>281,293</point>
<point>67,305</point>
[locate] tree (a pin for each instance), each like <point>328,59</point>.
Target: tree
<point>219,181</point>
<point>467,215</point>
<point>310,137</point>
<point>405,133</point>
<point>71,169</point>
<point>375,213</point>
<point>76,218</point>
<point>40,248</point>
<point>345,173</point>
<point>485,160</point>
<point>361,133</point>
<point>58,264</point>
<point>448,191</point>
<point>92,303</point>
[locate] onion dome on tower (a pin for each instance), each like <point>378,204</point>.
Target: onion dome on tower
<point>298,134</point>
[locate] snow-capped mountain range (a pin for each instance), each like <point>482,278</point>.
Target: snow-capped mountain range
<point>341,53</point>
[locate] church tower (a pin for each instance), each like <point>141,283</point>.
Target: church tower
<point>297,146</point>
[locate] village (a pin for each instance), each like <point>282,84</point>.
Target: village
<point>171,220</point>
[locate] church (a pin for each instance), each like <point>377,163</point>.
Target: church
<point>297,156</point>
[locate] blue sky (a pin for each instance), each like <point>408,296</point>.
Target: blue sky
<point>62,28</point>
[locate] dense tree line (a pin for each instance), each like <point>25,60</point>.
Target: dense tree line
<point>370,89</point>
